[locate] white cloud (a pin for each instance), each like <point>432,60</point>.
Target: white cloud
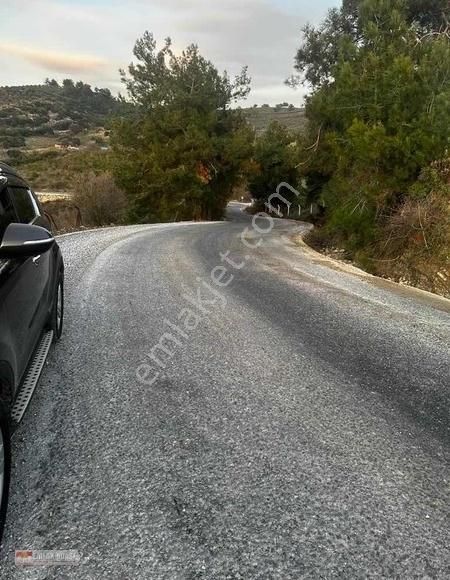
<point>54,61</point>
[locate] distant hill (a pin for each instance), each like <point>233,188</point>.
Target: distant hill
<point>261,117</point>
<point>52,111</point>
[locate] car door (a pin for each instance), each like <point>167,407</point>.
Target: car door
<point>9,333</point>
<point>25,287</point>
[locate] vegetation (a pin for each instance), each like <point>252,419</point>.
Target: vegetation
<point>379,115</point>
<point>275,160</point>
<point>342,30</point>
<point>52,170</point>
<point>100,201</point>
<point>260,118</point>
<point>40,148</point>
<point>184,149</point>
<point>414,241</point>
<point>53,132</point>
<point>51,108</point>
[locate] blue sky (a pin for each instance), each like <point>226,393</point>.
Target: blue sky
<point>92,39</point>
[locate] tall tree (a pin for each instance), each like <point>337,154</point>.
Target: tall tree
<point>182,152</point>
<point>379,113</point>
<point>342,32</point>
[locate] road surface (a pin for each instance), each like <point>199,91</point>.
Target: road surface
<point>288,420</point>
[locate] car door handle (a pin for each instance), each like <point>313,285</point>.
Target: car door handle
<point>36,260</point>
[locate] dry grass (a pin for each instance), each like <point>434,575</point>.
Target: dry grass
<point>415,244</point>
<point>100,201</point>
<point>64,215</point>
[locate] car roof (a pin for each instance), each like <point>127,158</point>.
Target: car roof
<point>8,170</point>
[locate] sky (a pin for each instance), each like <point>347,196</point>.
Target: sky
<point>90,40</point>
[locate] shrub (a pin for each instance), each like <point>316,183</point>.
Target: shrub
<point>99,199</point>
<point>414,245</point>
<point>8,141</point>
<point>15,155</point>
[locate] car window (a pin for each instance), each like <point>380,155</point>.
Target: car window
<point>7,213</point>
<point>25,205</point>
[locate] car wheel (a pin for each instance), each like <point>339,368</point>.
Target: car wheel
<point>5,467</point>
<point>57,319</point>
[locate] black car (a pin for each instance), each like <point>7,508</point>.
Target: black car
<point>31,306</point>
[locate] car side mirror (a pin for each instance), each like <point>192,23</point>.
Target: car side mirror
<point>23,240</point>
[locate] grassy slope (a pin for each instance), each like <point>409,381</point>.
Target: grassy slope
<point>261,117</point>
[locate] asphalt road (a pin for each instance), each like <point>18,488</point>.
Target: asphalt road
<point>295,426</point>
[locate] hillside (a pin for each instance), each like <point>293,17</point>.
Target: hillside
<point>43,115</point>
<point>51,132</point>
<point>288,115</point>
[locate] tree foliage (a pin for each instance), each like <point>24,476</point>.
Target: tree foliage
<point>183,151</point>
<point>379,112</point>
<point>275,161</point>
<point>343,32</point>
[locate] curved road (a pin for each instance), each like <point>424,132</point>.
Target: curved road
<point>289,420</point>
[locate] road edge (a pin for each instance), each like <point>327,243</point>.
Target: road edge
<point>405,290</point>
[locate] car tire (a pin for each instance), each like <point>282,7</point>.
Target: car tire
<point>5,467</point>
<point>57,315</point>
